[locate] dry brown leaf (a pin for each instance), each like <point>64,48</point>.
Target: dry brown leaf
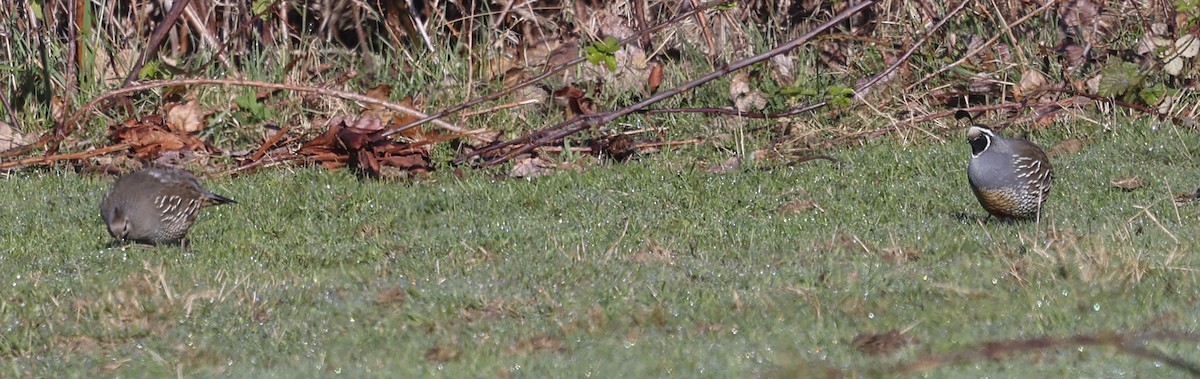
<point>58,107</point>
<point>529,167</point>
<point>1076,13</point>
<point>654,253</point>
<point>882,344</point>
<point>442,354</point>
<point>1128,182</point>
<point>745,98</point>
<point>796,206</point>
<point>783,69</point>
<point>113,69</point>
<point>575,101</point>
<point>186,117</point>
<point>1093,84</point>
<point>655,79</point>
<point>382,92</point>
<point>346,143</point>
<point>368,122</point>
<point>537,344</point>
<point>9,138</point>
<point>393,296</point>
<point>618,146</point>
<point>149,137</point>
<point>733,163</point>
<point>1030,80</point>
<point>1069,146</point>
<point>1073,53</point>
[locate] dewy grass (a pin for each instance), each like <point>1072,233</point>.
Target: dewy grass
<point>631,269</point>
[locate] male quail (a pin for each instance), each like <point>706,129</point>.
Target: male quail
<point>1010,176</point>
<point>155,205</point>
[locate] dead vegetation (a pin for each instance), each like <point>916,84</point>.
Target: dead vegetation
<point>907,64</point>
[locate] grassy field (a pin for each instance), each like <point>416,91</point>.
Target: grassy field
<point>650,268</point>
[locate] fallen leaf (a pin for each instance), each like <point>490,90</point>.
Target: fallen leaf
<point>441,354</point>
<point>1073,54</point>
<point>1069,146</point>
<point>536,344</point>
<point>655,79</point>
<point>529,167</point>
<point>576,101</point>
<point>882,344</point>
<point>654,253</point>
<point>345,143</point>
<point>1183,48</point>
<point>58,107</point>
<point>783,68</point>
<point>1030,81</point>
<point>618,146</point>
<point>393,296</point>
<point>150,137</point>
<point>186,117</point>
<point>796,206</point>
<point>728,165</point>
<point>9,138</point>
<point>745,98</point>
<point>1128,182</point>
<point>382,92</point>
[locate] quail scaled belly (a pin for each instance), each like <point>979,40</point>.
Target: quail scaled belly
<point>1010,176</point>
<point>155,205</point>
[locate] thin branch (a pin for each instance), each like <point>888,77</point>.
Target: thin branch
<point>64,157</point>
<point>981,47</point>
<point>547,73</point>
<point>576,124</point>
<point>65,128</point>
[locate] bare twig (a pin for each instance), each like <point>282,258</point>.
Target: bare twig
<point>64,157</point>
<point>547,73</point>
<point>66,127</point>
<point>156,40</point>
<point>981,47</point>
<point>544,136</point>
<point>858,90</point>
<point>270,142</point>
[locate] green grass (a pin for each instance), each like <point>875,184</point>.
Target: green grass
<point>633,270</point>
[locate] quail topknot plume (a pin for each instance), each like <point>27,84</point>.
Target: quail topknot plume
<point>1010,176</point>
<point>155,205</point>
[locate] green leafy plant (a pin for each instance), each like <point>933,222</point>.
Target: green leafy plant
<point>1120,79</point>
<point>153,70</point>
<point>839,96</point>
<point>260,8</point>
<point>1153,94</point>
<point>604,51</point>
<point>256,111</point>
<point>836,95</point>
<point>726,6</point>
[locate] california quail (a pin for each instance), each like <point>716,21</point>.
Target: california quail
<point>1010,176</point>
<point>155,205</point>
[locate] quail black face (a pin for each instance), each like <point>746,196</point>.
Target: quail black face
<point>1009,176</point>
<point>979,138</point>
<point>155,205</point>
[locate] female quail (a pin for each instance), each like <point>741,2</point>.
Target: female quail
<point>155,205</point>
<point>1010,176</point>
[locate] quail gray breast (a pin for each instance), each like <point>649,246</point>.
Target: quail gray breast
<point>155,205</point>
<point>1010,176</point>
